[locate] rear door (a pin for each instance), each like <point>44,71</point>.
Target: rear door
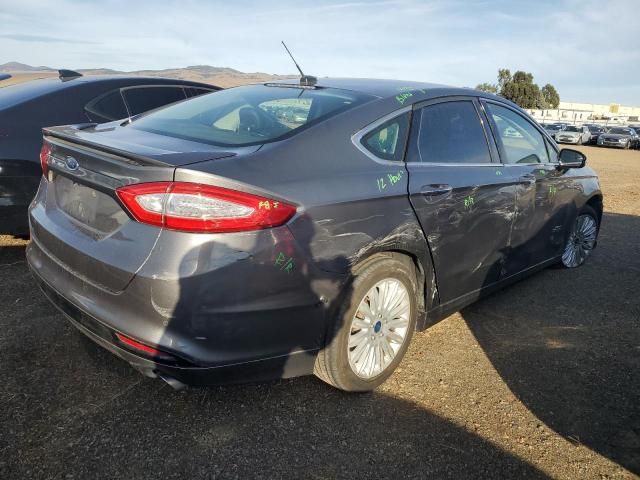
<point>460,194</point>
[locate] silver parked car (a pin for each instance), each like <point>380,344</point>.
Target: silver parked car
<point>573,134</point>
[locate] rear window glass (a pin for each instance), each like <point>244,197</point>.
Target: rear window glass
<point>143,99</point>
<point>388,140</point>
<point>110,107</point>
<point>247,115</point>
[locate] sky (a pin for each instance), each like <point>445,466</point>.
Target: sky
<point>589,50</point>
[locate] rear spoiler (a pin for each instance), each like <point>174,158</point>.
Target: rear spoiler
<point>70,140</point>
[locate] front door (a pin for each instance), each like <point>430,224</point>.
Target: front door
<point>464,200</point>
<point>539,223</point>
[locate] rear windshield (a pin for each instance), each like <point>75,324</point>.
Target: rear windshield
<point>248,115</point>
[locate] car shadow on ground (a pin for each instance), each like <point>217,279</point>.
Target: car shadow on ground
<point>67,407</point>
<point>567,344</point>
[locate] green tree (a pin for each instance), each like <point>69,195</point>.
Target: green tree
<point>504,77</point>
<point>487,87</point>
<point>522,91</point>
<point>551,96</point>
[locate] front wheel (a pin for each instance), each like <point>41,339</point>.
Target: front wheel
<point>374,327</point>
<point>582,239</point>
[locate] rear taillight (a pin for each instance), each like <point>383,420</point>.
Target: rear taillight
<point>45,151</point>
<point>142,348</point>
<point>194,207</point>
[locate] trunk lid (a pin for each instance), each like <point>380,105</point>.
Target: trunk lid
<point>77,218</point>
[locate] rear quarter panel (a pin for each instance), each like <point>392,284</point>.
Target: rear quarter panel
<point>351,206</point>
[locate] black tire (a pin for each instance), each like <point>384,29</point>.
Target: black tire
<point>627,145</point>
<point>332,364</point>
<point>586,210</point>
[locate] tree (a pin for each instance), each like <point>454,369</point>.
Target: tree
<point>520,89</point>
<point>504,77</point>
<point>488,87</point>
<point>550,95</point>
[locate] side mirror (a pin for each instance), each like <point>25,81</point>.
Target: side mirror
<point>569,158</point>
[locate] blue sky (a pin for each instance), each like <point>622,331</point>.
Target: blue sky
<point>590,50</point>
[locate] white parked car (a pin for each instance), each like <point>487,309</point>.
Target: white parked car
<point>573,134</point>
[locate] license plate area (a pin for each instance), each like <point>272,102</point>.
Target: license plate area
<point>87,205</point>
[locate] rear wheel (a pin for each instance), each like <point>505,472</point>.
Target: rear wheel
<point>582,239</point>
<point>374,326</point>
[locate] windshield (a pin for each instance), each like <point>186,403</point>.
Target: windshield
<point>553,127</point>
<point>572,129</point>
<point>595,129</point>
<point>248,115</point>
<point>620,131</point>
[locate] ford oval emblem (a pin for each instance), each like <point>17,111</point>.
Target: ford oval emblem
<point>72,163</point>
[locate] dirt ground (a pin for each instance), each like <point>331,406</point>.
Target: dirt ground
<point>541,380</point>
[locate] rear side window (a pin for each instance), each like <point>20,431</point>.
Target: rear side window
<point>448,132</point>
<point>521,142</point>
<point>195,91</point>
<point>388,140</point>
<point>248,115</point>
<point>109,107</point>
<point>143,99</point>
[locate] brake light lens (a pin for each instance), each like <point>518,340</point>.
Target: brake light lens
<point>141,347</point>
<point>194,207</point>
<point>45,151</point>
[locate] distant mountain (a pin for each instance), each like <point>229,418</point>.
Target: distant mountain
<point>12,67</point>
<point>221,76</point>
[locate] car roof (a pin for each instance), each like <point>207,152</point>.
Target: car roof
<point>385,88</point>
<point>14,94</point>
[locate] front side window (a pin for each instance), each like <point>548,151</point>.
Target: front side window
<point>249,115</point>
<point>388,140</point>
<point>448,132</point>
<point>527,146</point>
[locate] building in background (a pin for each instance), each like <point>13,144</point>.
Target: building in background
<point>588,112</point>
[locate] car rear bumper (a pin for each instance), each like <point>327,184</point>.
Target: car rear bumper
<point>294,363</point>
<point>244,319</point>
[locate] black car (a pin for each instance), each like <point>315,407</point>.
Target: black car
<point>72,98</point>
<point>285,229</point>
<point>596,131</point>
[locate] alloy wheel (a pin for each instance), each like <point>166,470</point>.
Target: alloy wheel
<point>379,328</point>
<point>581,241</point>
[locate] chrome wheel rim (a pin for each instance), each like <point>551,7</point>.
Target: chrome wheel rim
<point>581,241</point>
<point>379,328</point>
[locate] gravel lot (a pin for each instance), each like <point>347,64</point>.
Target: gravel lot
<point>541,380</point>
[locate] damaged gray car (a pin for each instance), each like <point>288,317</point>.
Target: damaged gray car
<point>288,228</point>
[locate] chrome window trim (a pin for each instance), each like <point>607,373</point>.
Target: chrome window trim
<point>356,138</point>
<point>457,164</point>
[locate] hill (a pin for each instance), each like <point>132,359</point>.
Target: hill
<point>220,76</point>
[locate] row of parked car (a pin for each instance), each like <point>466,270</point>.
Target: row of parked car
<point>593,134</point>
